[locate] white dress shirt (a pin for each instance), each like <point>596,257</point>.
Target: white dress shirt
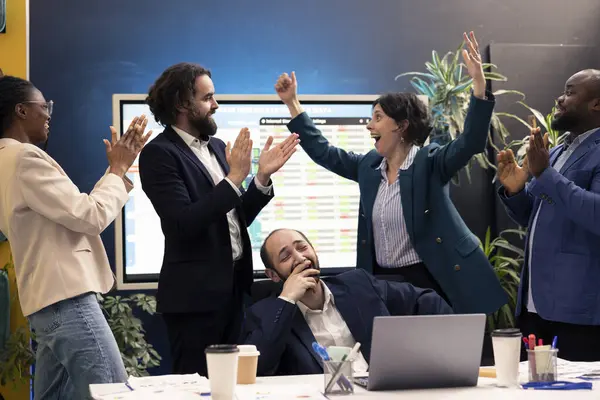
<point>393,248</point>
<point>329,328</point>
<point>210,162</point>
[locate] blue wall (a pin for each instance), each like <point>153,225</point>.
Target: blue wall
<point>84,51</point>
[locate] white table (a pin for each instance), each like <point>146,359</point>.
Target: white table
<point>485,389</point>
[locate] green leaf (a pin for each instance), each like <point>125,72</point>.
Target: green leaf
<point>538,115</point>
<point>464,87</point>
<point>510,247</point>
<point>507,91</point>
<point>423,74</point>
<point>488,65</point>
<point>521,120</point>
<point>494,76</point>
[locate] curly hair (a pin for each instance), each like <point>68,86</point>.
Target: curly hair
<point>13,91</point>
<point>174,89</point>
<point>407,106</point>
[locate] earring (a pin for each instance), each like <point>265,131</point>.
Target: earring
<point>401,139</point>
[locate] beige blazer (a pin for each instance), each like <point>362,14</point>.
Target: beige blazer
<point>53,229</point>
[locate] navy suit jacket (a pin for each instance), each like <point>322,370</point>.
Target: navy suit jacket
<point>284,339</point>
<point>566,244</point>
<point>197,273</point>
<point>439,235</point>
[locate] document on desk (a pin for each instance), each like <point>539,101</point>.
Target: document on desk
<point>189,383</point>
<point>164,386</point>
<point>152,394</point>
<point>278,392</point>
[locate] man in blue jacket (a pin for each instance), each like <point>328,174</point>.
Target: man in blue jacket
<point>560,282</point>
<point>337,313</point>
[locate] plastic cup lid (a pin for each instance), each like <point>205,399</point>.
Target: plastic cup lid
<point>221,349</point>
<point>510,332</point>
<point>248,350</point>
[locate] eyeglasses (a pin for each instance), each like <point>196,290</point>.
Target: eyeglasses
<point>47,105</point>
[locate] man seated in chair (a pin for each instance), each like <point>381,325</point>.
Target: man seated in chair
<point>337,313</point>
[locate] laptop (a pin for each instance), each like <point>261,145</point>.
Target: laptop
<point>425,351</point>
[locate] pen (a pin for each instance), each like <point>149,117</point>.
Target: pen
<point>321,351</point>
<point>540,342</point>
<point>128,386</point>
<point>338,373</point>
<point>554,342</point>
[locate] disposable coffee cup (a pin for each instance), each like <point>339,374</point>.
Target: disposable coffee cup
<point>507,353</point>
<point>222,363</point>
<point>247,364</point>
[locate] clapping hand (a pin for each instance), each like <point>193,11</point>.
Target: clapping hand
<point>538,155</point>
<point>272,159</point>
<point>511,175</point>
<point>472,59</point>
<point>122,152</point>
<point>239,157</point>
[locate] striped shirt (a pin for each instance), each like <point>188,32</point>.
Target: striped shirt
<point>393,248</point>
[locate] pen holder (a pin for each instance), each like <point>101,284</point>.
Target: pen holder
<point>343,385</point>
<point>542,365</point>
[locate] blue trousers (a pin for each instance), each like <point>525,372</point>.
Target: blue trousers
<point>75,349</point>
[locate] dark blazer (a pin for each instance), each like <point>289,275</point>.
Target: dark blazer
<point>284,339</point>
<point>197,274</point>
<point>567,234</point>
<point>436,230</point>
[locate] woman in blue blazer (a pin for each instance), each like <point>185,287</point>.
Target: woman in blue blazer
<point>408,228</point>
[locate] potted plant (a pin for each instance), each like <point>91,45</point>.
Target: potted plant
<point>448,90</point>
<point>138,355</point>
<point>16,355</point>
<point>507,261</point>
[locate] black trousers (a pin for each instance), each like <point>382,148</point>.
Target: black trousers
<point>191,333</point>
<point>575,342</point>
<point>417,275</point>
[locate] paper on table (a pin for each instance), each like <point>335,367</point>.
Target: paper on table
<point>278,392</point>
<point>189,383</point>
<point>152,394</point>
<point>103,390</point>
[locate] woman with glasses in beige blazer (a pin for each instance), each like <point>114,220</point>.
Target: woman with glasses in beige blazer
<point>54,233</point>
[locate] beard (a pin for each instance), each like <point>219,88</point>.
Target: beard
<point>314,265</point>
<point>564,122</point>
<point>205,126</point>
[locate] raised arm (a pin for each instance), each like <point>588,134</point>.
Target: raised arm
<point>449,159</point>
<point>271,159</point>
<point>313,142</point>
<point>48,191</point>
